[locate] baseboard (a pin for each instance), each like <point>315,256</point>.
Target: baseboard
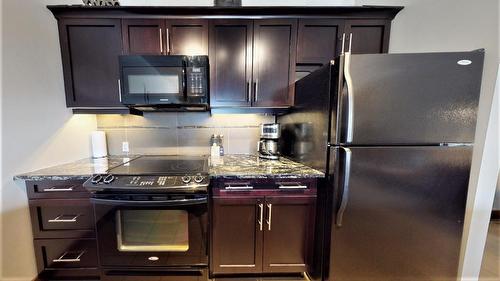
<point>495,215</point>
<point>16,279</point>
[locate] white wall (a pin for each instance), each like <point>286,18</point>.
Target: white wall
<point>447,25</point>
<point>37,129</point>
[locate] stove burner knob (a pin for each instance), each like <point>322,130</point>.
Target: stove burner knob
<point>96,179</point>
<point>186,179</point>
<point>108,179</point>
<point>198,178</point>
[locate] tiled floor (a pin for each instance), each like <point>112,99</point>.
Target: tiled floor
<point>262,279</point>
<point>490,269</point>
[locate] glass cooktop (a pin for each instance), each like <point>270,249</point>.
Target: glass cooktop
<point>163,165</point>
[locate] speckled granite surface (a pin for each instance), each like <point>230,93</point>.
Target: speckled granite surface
<point>251,166</point>
<point>80,169</point>
<point>228,166</point>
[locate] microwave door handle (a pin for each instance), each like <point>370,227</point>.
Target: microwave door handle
<point>184,81</point>
<point>166,203</point>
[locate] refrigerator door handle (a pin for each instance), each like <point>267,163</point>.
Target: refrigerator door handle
<point>345,189</point>
<point>350,95</point>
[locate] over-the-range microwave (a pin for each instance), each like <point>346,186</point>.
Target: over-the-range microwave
<point>150,83</point>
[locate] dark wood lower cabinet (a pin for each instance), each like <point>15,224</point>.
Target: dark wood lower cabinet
<point>288,233</point>
<point>262,231</point>
<point>237,235</point>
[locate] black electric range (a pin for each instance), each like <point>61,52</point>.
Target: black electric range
<point>154,174</point>
<point>152,214</point>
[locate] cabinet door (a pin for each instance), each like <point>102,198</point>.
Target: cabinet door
<point>143,36</point>
<point>274,62</point>
<point>368,36</point>
<point>288,233</point>
<point>237,235</point>
<point>230,62</point>
<point>319,40</point>
<point>90,50</point>
<point>187,37</point>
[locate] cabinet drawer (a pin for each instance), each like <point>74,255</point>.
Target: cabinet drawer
<point>264,187</point>
<point>62,218</point>
<point>65,253</point>
<point>56,189</point>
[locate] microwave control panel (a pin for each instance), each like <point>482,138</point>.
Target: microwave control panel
<point>196,81</point>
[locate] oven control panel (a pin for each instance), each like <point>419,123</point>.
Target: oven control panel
<point>103,182</point>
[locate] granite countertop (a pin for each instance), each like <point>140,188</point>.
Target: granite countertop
<point>251,166</point>
<point>228,166</point>
<point>80,169</point>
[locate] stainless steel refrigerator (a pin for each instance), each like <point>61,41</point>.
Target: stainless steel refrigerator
<point>394,133</point>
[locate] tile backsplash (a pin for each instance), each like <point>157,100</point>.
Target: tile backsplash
<point>181,132</point>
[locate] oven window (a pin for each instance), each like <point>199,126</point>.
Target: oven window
<point>152,230</point>
<point>153,80</point>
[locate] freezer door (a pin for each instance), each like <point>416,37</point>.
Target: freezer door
<point>424,98</point>
<point>400,217</point>
<point>305,131</point>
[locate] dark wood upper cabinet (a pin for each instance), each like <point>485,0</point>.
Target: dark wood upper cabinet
<point>319,40</point>
<point>187,37</point>
<point>165,37</point>
<point>288,235</point>
<point>143,36</point>
<point>90,50</point>
<point>236,235</point>
<point>274,62</point>
<point>230,62</point>
<point>368,36</point>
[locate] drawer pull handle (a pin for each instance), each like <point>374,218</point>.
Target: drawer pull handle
<point>59,219</point>
<point>238,187</point>
<point>295,186</point>
<point>55,189</point>
<point>76,259</point>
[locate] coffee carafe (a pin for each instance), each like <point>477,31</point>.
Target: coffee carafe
<point>267,146</point>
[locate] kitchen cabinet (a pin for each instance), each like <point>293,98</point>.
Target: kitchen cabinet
<point>165,37</point>
<point>368,36</point>
<point>62,220</point>
<point>231,44</point>
<point>252,62</point>
<point>254,53</point>
<point>274,62</point>
<point>287,237</point>
<point>319,40</point>
<point>262,230</point>
<point>143,36</point>
<point>237,238</point>
<point>90,50</point>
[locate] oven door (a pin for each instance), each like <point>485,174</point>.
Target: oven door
<point>143,85</point>
<point>148,231</point>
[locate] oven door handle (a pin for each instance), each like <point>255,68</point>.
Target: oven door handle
<point>166,203</point>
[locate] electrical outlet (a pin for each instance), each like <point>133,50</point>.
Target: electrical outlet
<point>125,146</point>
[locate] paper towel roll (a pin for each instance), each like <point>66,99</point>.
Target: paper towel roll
<point>99,147</point>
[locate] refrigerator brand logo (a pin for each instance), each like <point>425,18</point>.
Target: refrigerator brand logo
<point>464,62</point>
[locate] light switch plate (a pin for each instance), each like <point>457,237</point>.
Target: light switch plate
<point>125,147</point>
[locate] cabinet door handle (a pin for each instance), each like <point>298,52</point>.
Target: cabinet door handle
<point>161,41</point>
<point>292,186</point>
<point>76,259</point>
<point>269,216</point>
<point>261,216</point>
<point>248,91</point>
<point>256,90</point>
<point>168,42</point>
<point>55,189</point>
<point>119,90</point>
<point>59,220</point>
<point>238,187</point>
